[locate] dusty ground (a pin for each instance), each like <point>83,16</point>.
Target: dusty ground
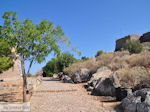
<point>55,96</point>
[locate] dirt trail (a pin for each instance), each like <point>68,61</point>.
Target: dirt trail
<point>55,96</point>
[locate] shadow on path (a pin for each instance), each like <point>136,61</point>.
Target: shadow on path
<point>50,79</point>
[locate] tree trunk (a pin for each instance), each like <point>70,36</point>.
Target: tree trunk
<point>30,67</point>
<point>24,79</point>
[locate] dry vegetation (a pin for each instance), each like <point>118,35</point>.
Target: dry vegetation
<point>133,77</point>
<point>133,70</point>
<point>113,60</point>
<point>90,64</point>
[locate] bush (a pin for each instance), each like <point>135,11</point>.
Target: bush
<point>5,63</point>
<point>133,46</point>
<point>133,77</point>
<point>90,64</point>
<point>142,59</point>
<point>113,60</point>
<point>50,67</point>
<point>99,53</point>
<point>29,75</point>
<point>64,60</point>
<point>5,55</point>
<point>5,49</point>
<point>57,65</point>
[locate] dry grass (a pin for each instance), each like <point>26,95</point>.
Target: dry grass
<point>142,59</point>
<point>90,64</point>
<point>133,77</point>
<point>115,61</point>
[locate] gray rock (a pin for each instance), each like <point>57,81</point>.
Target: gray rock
<point>139,101</point>
<point>122,92</point>
<point>81,75</point>
<point>102,72</point>
<point>55,76</point>
<point>67,79</point>
<point>107,85</point>
<point>60,75</point>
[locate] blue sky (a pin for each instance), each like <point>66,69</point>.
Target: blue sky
<point>92,25</point>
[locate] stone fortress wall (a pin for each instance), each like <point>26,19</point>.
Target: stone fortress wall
<point>11,83</point>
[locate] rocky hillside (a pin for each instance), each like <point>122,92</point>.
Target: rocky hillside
<point>119,74</point>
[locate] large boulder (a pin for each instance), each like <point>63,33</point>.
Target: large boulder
<point>122,92</point>
<point>102,72</point>
<point>107,86</point>
<point>104,82</point>
<point>81,75</point>
<point>139,101</point>
<point>67,79</point>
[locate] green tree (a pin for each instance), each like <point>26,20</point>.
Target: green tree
<point>64,60</point>
<point>32,42</point>
<point>5,63</point>
<point>5,48</point>
<point>57,65</point>
<point>133,46</point>
<point>50,68</point>
<point>6,59</point>
<point>99,53</point>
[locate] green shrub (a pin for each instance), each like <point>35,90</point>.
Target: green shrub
<point>5,55</point>
<point>5,49</point>
<point>57,65</point>
<point>5,63</point>
<point>64,60</point>
<point>84,58</point>
<point>50,74</point>
<point>99,53</point>
<point>133,46</point>
<point>29,75</point>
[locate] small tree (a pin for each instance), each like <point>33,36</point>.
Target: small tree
<point>133,46</point>
<point>99,53</point>
<point>57,65</point>
<point>64,60</point>
<point>32,42</point>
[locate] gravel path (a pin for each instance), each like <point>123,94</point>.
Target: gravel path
<point>54,96</point>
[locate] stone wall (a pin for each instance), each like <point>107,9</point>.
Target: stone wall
<point>12,90</point>
<point>144,40</point>
<point>120,42</point>
<point>12,73</point>
<point>11,83</point>
<point>145,37</point>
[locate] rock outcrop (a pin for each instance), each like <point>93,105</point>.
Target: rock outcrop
<point>103,82</point>
<point>81,75</point>
<point>120,42</point>
<point>139,101</point>
<point>102,72</point>
<point>145,37</point>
